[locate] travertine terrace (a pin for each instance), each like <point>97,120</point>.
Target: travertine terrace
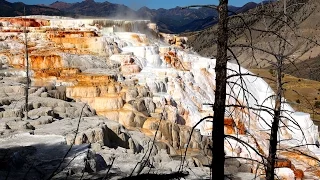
<point>138,84</point>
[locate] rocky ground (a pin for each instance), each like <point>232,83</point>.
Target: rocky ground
<point>35,147</point>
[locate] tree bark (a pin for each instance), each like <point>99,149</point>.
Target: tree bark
<point>218,155</point>
<point>275,125</point>
<point>27,67</point>
<point>273,142</point>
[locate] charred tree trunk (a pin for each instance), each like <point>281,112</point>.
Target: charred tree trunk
<point>27,66</point>
<point>275,125</point>
<point>273,142</point>
<point>218,155</point>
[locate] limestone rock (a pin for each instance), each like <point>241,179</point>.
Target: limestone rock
<point>126,118</point>
<point>232,162</point>
<point>113,102</point>
<point>130,69</point>
<point>245,168</point>
<point>171,113</point>
<point>59,109</point>
<point>139,120</point>
<point>143,91</point>
<point>36,105</point>
<point>4,126</point>
<point>27,126</point>
<point>42,111</point>
<point>96,147</point>
<point>150,105</point>
<point>131,94</point>
<point>11,113</point>
<point>139,105</point>
<point>41,120</point>
<point>177,136</point>
<point>44,94</point>
<point>246,176</point>
<point>59,93</point>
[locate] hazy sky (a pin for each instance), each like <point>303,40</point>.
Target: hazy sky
<point>155,4</point>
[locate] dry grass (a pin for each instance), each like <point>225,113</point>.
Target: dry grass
<point>300,93</point>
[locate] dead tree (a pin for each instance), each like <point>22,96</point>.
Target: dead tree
<point>220,93</point>
<point>277,113</point>
<point>27,67</point>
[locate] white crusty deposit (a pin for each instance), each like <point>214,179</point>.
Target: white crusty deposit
<point>127,73</point>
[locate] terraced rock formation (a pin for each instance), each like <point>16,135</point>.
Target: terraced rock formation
<point>124,99</point>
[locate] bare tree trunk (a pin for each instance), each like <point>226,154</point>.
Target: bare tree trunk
<point>27,68</point>
<point>275,124</point>
<point>277,112</point>
<point>218,155</point>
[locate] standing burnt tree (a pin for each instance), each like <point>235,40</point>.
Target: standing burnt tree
<point>27,66</point>
<point>220,93</point>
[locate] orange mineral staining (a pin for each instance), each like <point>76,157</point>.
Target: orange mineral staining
<point>70,34</point>
<point>175,62</point>
<point>43,61</point>
<point>233,127</point>
<point>282,163</point>
<point>286,163</point>
<point>136,37</point>
<point>229,126</point>
<point>21,22</point>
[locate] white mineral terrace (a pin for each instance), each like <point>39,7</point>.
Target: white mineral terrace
<point>171,74</point>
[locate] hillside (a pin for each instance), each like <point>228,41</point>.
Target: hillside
<point>309,69</point>
<point>17,9</point>
<point>169,20</point>
<point>209,21</point>
<point>302,94</point>
<point>266,23</point>
<point>174,20</point>
<point>96,9</point>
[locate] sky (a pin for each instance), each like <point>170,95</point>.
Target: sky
<point>153,4</point>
